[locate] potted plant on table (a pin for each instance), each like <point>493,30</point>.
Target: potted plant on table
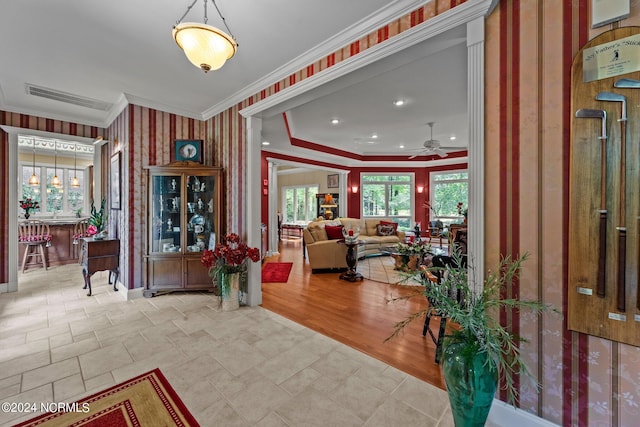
<point>28,205</point>
<point>97,221</point>
<point>479,350</point>
<point>227,264</point>
<point>408,256</point>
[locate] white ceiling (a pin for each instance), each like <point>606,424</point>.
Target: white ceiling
<point>122,51</point>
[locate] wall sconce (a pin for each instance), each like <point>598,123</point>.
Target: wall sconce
<point>420,189</point>
<point>354,189</point>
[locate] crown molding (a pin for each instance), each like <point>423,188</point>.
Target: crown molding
<point>377,19</point>
<point>448,20</point>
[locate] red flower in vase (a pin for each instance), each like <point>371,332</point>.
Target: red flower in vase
<point>28,204</point>
<point>229,256</point>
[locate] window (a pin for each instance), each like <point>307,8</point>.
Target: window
<point>447,190</point>
<point>299,204</point>
<point>65,200</point>
<point>389,196</point>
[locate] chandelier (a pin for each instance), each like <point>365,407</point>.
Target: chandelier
<point>207,47</point>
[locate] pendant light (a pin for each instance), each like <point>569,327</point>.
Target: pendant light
<point>75,182</point>
<point>206,47</point>
<point>34,181</point>
<point>55,181</point>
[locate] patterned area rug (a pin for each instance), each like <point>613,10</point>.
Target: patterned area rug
<point>382,269</point>
<point>146,400</point>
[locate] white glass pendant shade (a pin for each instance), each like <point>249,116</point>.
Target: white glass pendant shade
<point>206,47</point>
<point>75,182</point>
<point>55,181</point>
<point>34,180</point>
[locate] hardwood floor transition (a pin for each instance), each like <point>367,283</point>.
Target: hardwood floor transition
<point>356,314</point>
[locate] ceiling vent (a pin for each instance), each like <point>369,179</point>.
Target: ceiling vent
<point>68,98</point>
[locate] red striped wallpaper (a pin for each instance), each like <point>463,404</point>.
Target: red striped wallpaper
<point>529,48</point>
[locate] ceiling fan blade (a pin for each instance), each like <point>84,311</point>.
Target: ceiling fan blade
<point>440,153</point>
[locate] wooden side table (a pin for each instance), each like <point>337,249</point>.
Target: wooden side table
<point>100,255</point>
<point>351,275</point>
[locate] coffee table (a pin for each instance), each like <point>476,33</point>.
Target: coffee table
<point>409,262</point>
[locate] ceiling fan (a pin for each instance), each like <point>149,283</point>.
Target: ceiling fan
<point>432,146</point>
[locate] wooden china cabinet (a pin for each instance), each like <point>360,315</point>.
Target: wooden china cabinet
<point>183,219</point>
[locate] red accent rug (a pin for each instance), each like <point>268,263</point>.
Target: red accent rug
<point>276,272</point>
<point>146,400</point>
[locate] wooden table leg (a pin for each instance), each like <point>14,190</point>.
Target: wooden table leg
<point>87,281</point>
<point>116,273</point>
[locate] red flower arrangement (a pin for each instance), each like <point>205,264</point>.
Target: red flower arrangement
<point>229,256</point>
<point>92,230</point>
<point>28,205</point>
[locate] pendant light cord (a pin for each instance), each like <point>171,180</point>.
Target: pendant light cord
<point>206,19</point>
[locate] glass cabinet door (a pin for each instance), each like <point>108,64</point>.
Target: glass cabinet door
<point>166,213</point>
<point>201,200</point>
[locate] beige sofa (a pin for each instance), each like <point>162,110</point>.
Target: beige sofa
<point>325,253</point>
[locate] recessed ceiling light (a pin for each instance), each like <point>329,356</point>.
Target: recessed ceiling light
<point>265,143</point>
<point>452,138</point>
<point>401,146</point>
<point>398,102</point>
<point>335,121</point>
<point>371,142</point>
<point>374,136</point>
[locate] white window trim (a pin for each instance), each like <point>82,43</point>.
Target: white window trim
<point>432,184</point>
<point>412,197</point>
<point>283,207</point>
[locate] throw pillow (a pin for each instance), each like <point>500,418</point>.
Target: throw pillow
<point>394,224</point>
<point>385,230</point>
<point>334,232</point>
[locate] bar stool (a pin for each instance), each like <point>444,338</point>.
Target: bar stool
<point>35,235</point>
<point>79,231</point>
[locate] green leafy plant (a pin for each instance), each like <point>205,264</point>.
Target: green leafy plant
<point>98,218</point>
<point>474,310</point>
<point>417,247</point>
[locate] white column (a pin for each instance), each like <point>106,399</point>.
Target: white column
<point>273,209</point>
<point>253,188</point>
<point>12,285</point>
<point>475,108</point>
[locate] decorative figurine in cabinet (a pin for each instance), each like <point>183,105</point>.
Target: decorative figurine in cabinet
<point>184,215</point>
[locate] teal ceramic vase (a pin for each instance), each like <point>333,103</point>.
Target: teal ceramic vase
<point>471,384</point>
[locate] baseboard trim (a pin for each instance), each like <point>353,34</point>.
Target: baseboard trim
<point>130,294</point>
<point>504,415</point>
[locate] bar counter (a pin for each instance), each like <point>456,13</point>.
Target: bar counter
<point>62,250</point>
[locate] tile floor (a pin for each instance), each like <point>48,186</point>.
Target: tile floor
<point>249,367</point>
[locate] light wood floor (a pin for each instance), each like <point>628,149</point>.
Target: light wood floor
<point>356,314</point>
